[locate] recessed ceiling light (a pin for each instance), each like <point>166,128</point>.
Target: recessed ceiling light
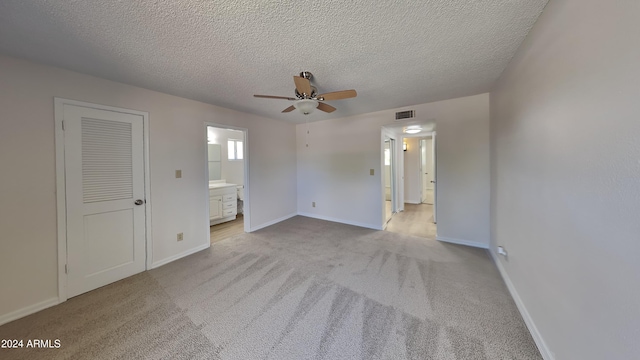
<point>412,131</point>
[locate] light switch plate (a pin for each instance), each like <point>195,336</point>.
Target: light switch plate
<point>371,171</point>
<point>178,174</point>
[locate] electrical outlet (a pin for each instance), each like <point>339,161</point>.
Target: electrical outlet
<point>313,204</point>
<point>178,174</point>
<point>180,236</point>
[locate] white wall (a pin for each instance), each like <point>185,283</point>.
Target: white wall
<point>28,249</point>
<point>231,170</point>
<point>462,176</point>
<point>334,170</point>
<point>412,179</point>
<point>565,123</point>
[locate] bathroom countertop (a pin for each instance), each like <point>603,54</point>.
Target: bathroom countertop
<point>221,185</point>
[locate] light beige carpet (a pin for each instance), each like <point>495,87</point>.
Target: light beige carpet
<point>301,289</point>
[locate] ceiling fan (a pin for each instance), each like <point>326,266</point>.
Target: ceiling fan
<point>307,98</point>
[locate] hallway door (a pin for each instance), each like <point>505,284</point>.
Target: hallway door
<point>105,196</point>
<point>427,170</point>
<point>388,179</point>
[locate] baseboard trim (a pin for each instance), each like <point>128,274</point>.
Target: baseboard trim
<point>462,242</point>
<point>25,311</point>
<point>414,202</point>
<point>273,222</point>
<point>535,334</point>
<point>341,221</point>
<point>165,261</point>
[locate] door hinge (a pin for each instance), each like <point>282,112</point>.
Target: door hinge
<point>66,269</point>
<point>62,125</point>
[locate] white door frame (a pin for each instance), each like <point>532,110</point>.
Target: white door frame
<point>393,146</point>
<point>394,171</point>
<point>422,174</point>
<point>435,168</point>
<point>61,195</point>
<point>435,176</point>
<point>422,170</point>
<point>246,207</point>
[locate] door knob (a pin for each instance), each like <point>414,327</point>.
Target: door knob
<point>433,181</point>
<point>139,202</point>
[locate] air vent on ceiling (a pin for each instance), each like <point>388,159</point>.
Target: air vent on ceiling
<point>402,115</point>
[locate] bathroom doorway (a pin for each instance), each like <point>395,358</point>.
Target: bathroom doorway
<point>389,178</point>
<point>227,181</point>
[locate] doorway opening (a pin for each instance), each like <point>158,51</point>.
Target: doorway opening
<point>428,171</point>
<point>227,181</point>
<point>419,170</point>
<point>389,170</point>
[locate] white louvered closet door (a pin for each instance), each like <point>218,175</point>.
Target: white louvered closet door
<point>104,170</point>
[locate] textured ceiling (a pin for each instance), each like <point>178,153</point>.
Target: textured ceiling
<point>395,53</point>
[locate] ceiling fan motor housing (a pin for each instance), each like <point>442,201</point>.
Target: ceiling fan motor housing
<point>314,93</point>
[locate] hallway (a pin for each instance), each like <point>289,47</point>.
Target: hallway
<point>416,220</point>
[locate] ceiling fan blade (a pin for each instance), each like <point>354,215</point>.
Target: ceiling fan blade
<point>326,107</point>
<point>302,85</point>
<point>338,95</point>
<point>274,97</point>
<point>289,109</point>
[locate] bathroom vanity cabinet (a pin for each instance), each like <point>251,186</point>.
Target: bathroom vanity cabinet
<point>223,205</point>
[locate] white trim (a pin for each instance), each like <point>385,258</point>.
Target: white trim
<point>535,334</point>
<point>181,255</point>
<point>246,202</point>
<point>272,222</point>
<point>426,134</point>
<point>28,310</point>
<point>354,223</point>
<point>435,177</point>
<point>61,199</point>
<point>414,202</point>
<point>395,183</point>
<point>462,242</point>
<point>147,189</point>
<point>61,195</point>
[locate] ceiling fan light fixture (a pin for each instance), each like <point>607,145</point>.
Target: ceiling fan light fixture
<point>307,99</point>
<point>306,106</point>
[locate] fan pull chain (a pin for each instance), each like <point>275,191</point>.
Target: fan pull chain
<point>307,136</point>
